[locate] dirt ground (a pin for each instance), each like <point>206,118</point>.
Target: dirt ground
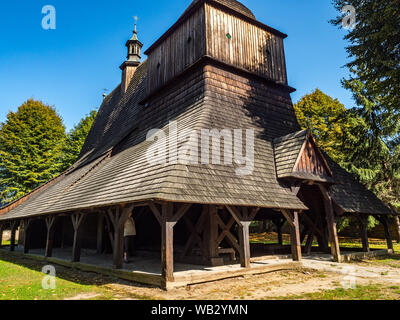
<point>267,286</point>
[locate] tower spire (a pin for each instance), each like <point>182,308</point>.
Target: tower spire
<point>129,67</point>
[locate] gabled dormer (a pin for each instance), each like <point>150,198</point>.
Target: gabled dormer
<point>297,157</point>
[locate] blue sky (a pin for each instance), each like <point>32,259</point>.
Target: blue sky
<point>69,67</point>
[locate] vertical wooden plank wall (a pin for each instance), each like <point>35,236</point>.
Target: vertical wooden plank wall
<point>177,52</point>
<point>250,47</point>
<point>205,32</point>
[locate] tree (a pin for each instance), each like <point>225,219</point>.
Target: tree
<point>31,143</point>
<point>329,122</point>
<point>342,134</point>
<point>374,48</point>
<point>76,138</point>
<point>374,80</point>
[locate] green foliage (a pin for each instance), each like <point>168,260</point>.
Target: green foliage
<point>357,139</point>
<point>31,143</point>
<point>374,51</point>
<point>374,48</point>
<point>76,138</point>
<point>328,120</point>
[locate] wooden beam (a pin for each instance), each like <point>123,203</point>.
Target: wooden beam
<point>156,212</point>
<point>195,232</point>
<point>309,242</point>
<point>1,233</point>
<point>167,244</point>
<point>213,233</point>
<point>244,242</point>
<point>50,223</point>
<point>289,217</point>
<point>235,214</point>
<point>100,233</point>
<point>279,224</point>
<point>118,217</point>
<point>77,219</point>
<point>331,222</point>
<point>181,212</point>
<point>14,226</point>
<point>397,222</point>
<point>27,232</point>
<point>363,227</point>
<point>295,238</point>
<point>384,220</point>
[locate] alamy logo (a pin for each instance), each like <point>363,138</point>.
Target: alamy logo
<point>49,281</point>
<point>49,20</point>
<point>349,19</point>
<point>194,147</point>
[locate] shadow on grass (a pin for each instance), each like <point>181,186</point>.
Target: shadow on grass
<point>69,274</point>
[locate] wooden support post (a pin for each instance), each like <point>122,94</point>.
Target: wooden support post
<point>50,223</point>
<point>279,224</point>
<point>100,233</point>
<point>167,244</point>
<point>386,225</point>
<point>244,242</point>
<point>309,243</point>
<point>331,223</point>
<point>244,218</point>
<point>363,219</point>
<point>27,232</point>
<point>213,250</point>
<point>1,234</point>
<point>118,217</point>
<point>14,226</point>
<point>77,219</point>
<point>397,222</point>
<point>294,224</point>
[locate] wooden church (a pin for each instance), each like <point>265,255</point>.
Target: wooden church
<point>219,68</point>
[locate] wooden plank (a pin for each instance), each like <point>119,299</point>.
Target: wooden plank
<point>14,226</point>
<point>100,233</point>
<point>279,224</point>
<point>235,214</point>
<point>363,219</point>
<point>50,223</point>
<point>330,219</point>
<point>181,212</point>
<point>77,219</point>
<point>156,212</point>
<point>213,234</point>
<point>309,242</point>
<point>167,244</point>
<point>27,233</point>
<point>244,241</point>
<point>2,226</point>
<point>119,215</point>
<point>384,220</point>
<point>295,238</point>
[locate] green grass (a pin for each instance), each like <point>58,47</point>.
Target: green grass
<point>22,283</point>
<point>369,292</point>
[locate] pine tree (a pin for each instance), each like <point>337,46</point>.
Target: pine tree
<point>76,138</point>
<point>374,48</point>
<point>31,143</point>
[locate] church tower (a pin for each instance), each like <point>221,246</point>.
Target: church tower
<point>133,60</point>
